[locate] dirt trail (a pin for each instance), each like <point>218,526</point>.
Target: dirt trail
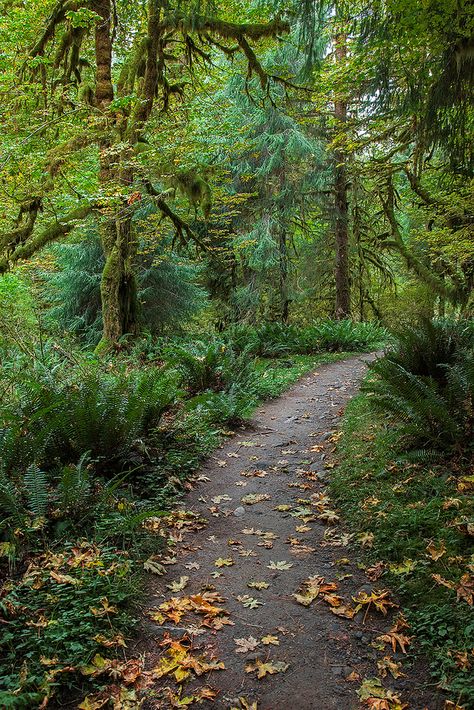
<point>328,656</point>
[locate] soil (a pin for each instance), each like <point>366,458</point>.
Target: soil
<point>328,657</point>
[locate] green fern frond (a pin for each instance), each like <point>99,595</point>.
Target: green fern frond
<point>36,486</point>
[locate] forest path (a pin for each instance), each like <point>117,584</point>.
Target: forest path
<point>281,536</point>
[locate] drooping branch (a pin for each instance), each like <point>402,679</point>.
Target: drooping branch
<point>51,233</point>
<point>57,17</point>
<point>184,232</point>
<point>417,187</point>
<point>227,30</point>
<point>254,66</point>
<point>413,263</point>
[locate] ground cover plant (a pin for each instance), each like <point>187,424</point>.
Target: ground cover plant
<point>412,508</point>
<point>201,202</point>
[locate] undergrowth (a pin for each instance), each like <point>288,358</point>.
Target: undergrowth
<point>92,453</point>
<point>419,520</point>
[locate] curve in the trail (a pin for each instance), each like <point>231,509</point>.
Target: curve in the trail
<point>270,528</point>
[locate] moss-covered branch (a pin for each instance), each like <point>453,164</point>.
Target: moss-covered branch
<point>51,233</point>
<point>413,263</point>
<point>227,30</point>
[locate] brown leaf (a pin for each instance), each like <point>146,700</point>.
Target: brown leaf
<point>264,668</point>
<point>246,644</point>
<point>436,551</point>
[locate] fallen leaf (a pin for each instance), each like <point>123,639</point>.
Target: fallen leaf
<point>329,516</point>
<point>303,528</point>
<point>264,668</point>
<point>258,585</point>
<point>154,567</point>
<point>224,562</point>
<point>465,589</point>
<point>249,601</point>
<point>178,585</point>
<point>270,640</point>
<point>65,579</point>
<point>366,539</point>
<point>378,599</point>
<point>245,705</point>
<point>282,564</point>
<point>405,567</point>
<point>117,640</point>
<point>252,498</point>
<point>395,639</point>
<point>436,551</point>
<point>388,665</point>
<point>246,645</point>
<point>220,499</point>
<point>346,612</point>
<point>373,573</point>
<point>192,565</point>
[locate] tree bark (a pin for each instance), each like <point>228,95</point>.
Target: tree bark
<point>118,283</point>
<point>283,256</point>
<point>341,202</point>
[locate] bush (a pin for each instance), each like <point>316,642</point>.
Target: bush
<point>214,365</point>
<point>347,336</point>
<point>427,349</point>
<point>278,340</point>
<point>54,417</point>
<point>427,385</point>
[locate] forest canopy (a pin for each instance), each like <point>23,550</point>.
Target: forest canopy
<point>271,144</point>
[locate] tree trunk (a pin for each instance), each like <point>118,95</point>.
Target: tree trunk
<point>283,255</point>
<point>341,203</point>
<point>118,284</point>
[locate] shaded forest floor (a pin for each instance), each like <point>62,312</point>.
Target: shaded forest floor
<point>264,598</point>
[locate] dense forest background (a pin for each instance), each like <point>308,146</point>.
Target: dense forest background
<point>199,201</point>
<point>273,162</point>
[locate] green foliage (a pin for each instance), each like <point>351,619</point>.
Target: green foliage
<point>18,323</point>
<point>345,335</point>
<point>168,294</point>
<point>55,613</point>
<point>229,407</point>
<point>276,339</point>
<point>407,507</point>
<point>36,487</point>
<point>213,364</point>
<point>86,408</point>
<point>427,385</point>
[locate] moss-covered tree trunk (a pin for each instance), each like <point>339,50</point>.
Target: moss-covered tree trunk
<point>118,285</point>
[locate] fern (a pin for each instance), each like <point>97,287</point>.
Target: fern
<point>74,486</point>
<point>429,387</point>
<point>36,487</point>
<point>10,499</point>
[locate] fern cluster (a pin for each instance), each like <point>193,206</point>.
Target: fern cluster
<point>427,385</point>
<point>276,339</point>
<point>55,416</point>
<point>215,364</point>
